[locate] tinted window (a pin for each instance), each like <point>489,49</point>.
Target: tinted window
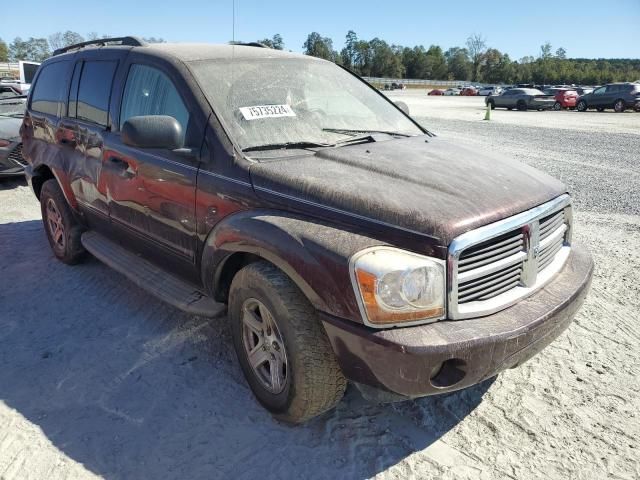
<point>94,91</point>
<point>150,92</point>
<point>49,91</point>
<point>599,91</point>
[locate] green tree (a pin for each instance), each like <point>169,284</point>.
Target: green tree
<point>458,63</point>
<point>276,42</point>
<point>319,46</point>
<point>436,63</point>
<point>4,51</point>
<point>33,49</point>
<point>349,52</point>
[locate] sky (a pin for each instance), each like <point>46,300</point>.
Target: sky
<point>585,29</point>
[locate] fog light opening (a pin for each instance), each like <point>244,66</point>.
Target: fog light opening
<point>451,372</point>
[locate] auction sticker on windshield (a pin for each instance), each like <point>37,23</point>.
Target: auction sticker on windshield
<point>266,111</point>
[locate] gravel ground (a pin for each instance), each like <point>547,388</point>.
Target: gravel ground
<point>98,379</point>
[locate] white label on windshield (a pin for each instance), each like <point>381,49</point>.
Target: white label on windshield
<point>267,111</point>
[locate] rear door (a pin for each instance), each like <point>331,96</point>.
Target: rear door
<point>84,130</point>
<point>151,192</point>
<point>599,97</point>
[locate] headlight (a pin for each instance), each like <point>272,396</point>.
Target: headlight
<point>395,287</point>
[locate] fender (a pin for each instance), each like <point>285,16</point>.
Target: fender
<point>313,254</point>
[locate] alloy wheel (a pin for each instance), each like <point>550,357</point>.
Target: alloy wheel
<point>264,346</point>
<point>55,224</point>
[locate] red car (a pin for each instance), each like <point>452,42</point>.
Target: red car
<point>469,91</point>
<point>436,91</point>
<point>565,99</point>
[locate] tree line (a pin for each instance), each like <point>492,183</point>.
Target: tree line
<point>38,49</point>
<point>476,61</point>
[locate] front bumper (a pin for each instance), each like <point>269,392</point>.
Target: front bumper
<point>10,166</point>
<point>449,355</point>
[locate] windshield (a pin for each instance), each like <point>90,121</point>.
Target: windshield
<point>13,107</point>
<point>281,101</point>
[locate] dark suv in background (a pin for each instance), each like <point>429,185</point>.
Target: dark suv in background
<point>618,96</point>
<point>345,241</point>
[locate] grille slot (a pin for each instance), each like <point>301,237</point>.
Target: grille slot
<point>491,251</point>
<point>16,155</point>
<point>488,285</point>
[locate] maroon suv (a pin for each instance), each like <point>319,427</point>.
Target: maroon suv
<point>345,241</point>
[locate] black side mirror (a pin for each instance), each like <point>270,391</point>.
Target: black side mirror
<point>153,131</point>
<point>403,106</point>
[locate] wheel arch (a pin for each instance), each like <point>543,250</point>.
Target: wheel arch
<point>315,256</point>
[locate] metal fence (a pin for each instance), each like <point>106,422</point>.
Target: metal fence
<point>416,82</point>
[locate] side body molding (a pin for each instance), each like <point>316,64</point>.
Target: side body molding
<point>313,254</point>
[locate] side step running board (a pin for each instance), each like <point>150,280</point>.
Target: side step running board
<point>154,280</point>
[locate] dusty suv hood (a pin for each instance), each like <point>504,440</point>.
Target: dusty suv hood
<point>427,185</point>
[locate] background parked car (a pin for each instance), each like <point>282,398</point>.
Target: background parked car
<point>469,91</point>
<point>618,96</point>
<point>491,90</point>
<point>11,113</point>
<point>522,99</point>
<point>565,98</point>
<point>436,91</point>
<point>452,91</point>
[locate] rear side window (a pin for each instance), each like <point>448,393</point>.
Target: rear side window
<point>94,91</point>
<point>49,91</point>
<point>150,92</point>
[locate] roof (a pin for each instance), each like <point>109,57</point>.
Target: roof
<point>193,52</point>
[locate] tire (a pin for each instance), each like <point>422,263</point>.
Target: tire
<point>509,108</point>
<point>493,104</point>
<point>521,106</point>
<point>619,106</point>
<point>62,229</point>
<point>557,106</point>
<point>600,109</point>
<point>582,106</point>
<point>310,381</point>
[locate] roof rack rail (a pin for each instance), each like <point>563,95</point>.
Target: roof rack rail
<point>130,41</point>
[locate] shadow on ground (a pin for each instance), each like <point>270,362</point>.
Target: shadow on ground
<point>132,388</point>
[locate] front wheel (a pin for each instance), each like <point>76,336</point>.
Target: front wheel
<point>582,106</point>
<point>62,229</point>
<point>557,106</point>
<point>283,350</point>
<point>619,106</point>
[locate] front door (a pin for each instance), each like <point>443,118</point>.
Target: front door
<point>151,192</point>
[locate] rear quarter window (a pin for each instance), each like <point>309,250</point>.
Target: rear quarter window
<point>50,89</point>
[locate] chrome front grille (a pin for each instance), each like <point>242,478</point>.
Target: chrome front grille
<point>16,155</point>
<point>496,265</point>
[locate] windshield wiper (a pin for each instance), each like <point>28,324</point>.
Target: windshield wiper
<point>285,146</point>
<point>348,131</point>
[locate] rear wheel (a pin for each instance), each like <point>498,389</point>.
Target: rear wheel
<point>62,229</point>
<point>619,106</point>
<point>282,348</point>
<point>522,106</point>
<point>492,104</point>
<point>557,106</point>
<point>582,106</point>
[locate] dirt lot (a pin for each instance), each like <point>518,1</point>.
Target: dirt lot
<point>99,379</point>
